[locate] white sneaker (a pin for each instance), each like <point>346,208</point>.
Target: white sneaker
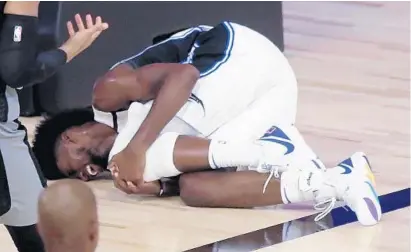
<point>354,184</point>
<point>284,148</point>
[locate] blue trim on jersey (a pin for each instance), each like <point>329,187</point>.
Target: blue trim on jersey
<point>165,41</point>
<point>227,52</point>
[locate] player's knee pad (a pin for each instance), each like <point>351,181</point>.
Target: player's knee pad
<point>19,31</point>
<point>26,238</point>
<point>160,158</point>
<point>18,44</point>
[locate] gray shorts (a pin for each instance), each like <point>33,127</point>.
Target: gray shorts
<point>21,180</point>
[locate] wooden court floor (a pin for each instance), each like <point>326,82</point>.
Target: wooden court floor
<point>352,60</point>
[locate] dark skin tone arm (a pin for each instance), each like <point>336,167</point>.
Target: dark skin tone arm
<point>163,81</point>
<point>168,84</point>
<point>219,188</point>
<point>173,86</point>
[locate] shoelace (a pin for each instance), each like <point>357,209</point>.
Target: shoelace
<point>274,172</point>
<point>325,207</point>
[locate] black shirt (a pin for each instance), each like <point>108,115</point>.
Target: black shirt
<point>203,47</point>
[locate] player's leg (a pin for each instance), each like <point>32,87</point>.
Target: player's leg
<point>300,177</point>
<point>304,178</point>
<point>288,179</point>
<point>24,182</point>
<point>185,153</point>
<point>181,154</point>
<point>26,238</point>
<point>297,178</point>
<point>249,188</point>
<point>242,189</point>
<point>351,182</point>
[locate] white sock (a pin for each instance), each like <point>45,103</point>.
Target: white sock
<point>223,154</point>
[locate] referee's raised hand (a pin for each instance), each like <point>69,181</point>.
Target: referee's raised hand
<point>82,37</point>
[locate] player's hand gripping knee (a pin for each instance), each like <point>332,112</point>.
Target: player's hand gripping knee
<point>85,35</point>
<point>128,167</point>
<point>146,188</point>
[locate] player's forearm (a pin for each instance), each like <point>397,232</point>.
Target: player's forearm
<point>18,74</point>
<point>171,96</point>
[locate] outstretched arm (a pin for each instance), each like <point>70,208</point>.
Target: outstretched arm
<point>20,63</point>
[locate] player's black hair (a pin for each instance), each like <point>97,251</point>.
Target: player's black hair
<point>48,133</point>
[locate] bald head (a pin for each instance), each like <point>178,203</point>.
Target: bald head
<point>68,216</point>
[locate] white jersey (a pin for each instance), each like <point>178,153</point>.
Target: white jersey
<point>239,95</point>
<point>127,123</point>
<point>134,117</point>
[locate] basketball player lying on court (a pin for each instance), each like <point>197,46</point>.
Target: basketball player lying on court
<point>207,98</point>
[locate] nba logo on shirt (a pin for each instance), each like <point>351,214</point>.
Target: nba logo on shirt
<point>17,33</point>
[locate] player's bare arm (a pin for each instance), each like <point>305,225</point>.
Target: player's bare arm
<point>168,84</point>
<point>124,84</point>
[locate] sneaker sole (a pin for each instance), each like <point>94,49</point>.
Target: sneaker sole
<point>369,204</point>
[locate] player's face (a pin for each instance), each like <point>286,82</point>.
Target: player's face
<point>82,154</point>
